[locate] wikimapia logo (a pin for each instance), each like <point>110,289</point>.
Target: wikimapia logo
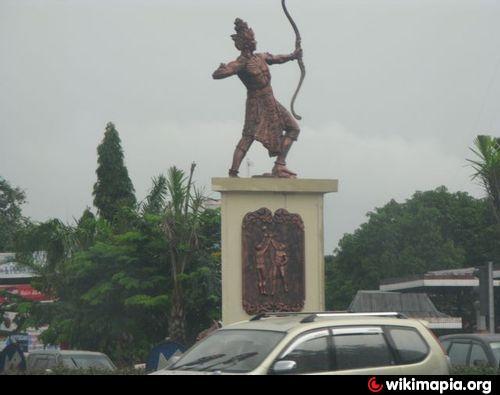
<point>441,386</point>
<point>373,386</point>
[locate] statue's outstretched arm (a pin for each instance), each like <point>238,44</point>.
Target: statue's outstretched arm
<point>279,59</point>
<point>227,70</point>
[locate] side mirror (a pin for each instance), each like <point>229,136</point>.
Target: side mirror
<point>284,367</point>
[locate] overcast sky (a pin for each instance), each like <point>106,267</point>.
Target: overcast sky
<point>396,91</point>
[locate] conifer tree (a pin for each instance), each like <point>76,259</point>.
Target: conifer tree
<point>113,188</point>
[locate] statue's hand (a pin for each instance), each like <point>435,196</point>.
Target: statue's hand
<point>298,53</point>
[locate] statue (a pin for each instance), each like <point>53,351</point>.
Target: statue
<point>279,261</point>
<point>266,120</point>
<point>260,262</point>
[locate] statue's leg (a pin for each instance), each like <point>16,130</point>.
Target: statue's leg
<point>292,131</point>
<point>239,153</point>
<point>280,169</point>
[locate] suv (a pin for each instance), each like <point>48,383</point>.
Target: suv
<point>45,360</point>
<point>473,349</point>
<point>317,343</point>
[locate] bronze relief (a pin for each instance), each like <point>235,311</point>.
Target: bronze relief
<point>273,262</point>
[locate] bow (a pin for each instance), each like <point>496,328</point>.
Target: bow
<point>298,42</point>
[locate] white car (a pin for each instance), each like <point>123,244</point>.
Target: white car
<point>317,343</point>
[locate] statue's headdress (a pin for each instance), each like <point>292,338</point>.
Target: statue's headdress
<point>244,35</point>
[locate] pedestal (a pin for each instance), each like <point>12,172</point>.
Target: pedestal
<point>297,199</point>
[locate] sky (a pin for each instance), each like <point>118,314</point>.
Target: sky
<point>395,93</point>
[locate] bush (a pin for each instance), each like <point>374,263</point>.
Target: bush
<point>474,371</point>
<point>77,372</point>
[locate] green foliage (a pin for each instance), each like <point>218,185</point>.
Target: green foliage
<point>487,168</point>
<point>11,219</point>
<point>181,223</point>
<point>474,371</point>
<point>113,288</point>
<point>62,371</point>
<point>431,231</point>
<point>113,188</point>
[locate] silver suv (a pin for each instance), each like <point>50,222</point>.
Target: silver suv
<point>317,343</point>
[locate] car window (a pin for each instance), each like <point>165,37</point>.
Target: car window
<point>310,352</point>
<point>84,361</point>
<point>458,353</point>
<point>51,362</point>
<point>495,348</point>
<point>478,356</point>
<point>40,363</point>
<point>230,350</point>
<point>361,350</point>
<point>410,345</point>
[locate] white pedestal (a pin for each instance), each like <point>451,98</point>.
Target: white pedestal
<point>298,196</point>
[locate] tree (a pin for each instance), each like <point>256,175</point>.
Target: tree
<point>113,188</point>
<point>431,231</point>
<point>110,290</point>
<point>487,167</point>
<point>181,226</point>
<point>11,218</point>
<point>113,287</point>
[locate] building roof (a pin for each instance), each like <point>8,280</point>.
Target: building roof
<point>437,279</point>
<point>414,305</point>
<point>11,270</point>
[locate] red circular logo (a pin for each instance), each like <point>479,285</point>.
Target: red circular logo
<point>373,386</point>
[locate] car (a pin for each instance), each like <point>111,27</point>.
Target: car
<point>46,360</point>
<point>317,343</point>
<point>473,349</point>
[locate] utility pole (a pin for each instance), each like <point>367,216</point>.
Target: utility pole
<point>249,165</point>
<point>491,298</point>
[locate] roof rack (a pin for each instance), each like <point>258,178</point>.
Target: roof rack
<point>310,316</point>
<point>287,313</point>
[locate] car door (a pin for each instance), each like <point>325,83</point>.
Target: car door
<point>311,351</point>
<point>363,351</point>
<point>478,356</point>
<point>458,351</point>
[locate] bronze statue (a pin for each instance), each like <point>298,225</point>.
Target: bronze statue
<point>266,120</point>
<point>279,261</point>
<point>261,250</point>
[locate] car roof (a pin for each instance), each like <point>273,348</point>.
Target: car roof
<point>473,336</point>
<point>293,322</point>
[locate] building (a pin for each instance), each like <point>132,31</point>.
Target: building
<point>413,305</point>
<point>438,281</point>
<point>459,285</point>
<point>16,280</point>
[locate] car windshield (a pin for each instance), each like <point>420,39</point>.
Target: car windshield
<point>495,347</point>
<point>80,361</point>
<point>237,351</point>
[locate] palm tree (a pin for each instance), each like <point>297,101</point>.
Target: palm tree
<point>181,226</point>
<point>487,168</point>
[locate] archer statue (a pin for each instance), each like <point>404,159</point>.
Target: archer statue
<point>266,120</point>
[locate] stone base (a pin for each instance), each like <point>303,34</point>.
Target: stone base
<point>298,196</point>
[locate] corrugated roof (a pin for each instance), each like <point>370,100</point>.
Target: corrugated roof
<point>416,305</point>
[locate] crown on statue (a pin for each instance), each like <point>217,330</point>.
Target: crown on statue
<point>244,34</point>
